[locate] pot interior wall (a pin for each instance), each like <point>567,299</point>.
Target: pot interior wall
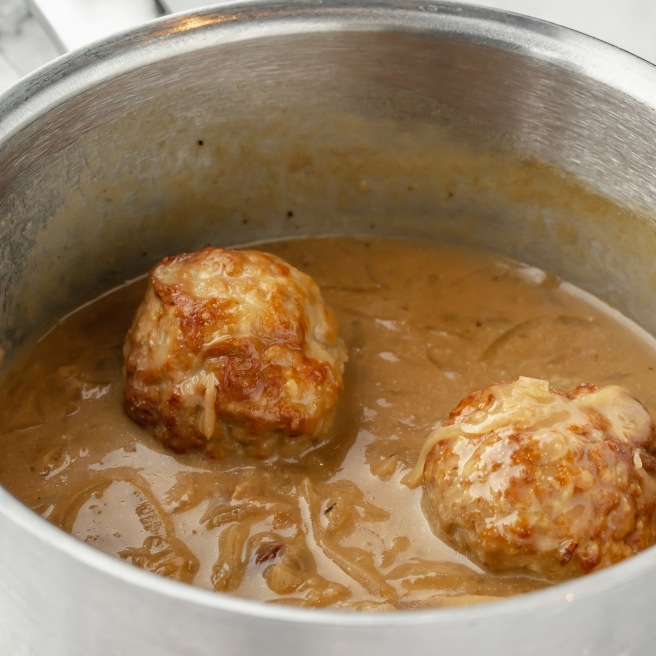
<point>382,133</point>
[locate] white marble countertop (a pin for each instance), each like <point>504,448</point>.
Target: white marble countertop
<point>629,24</point>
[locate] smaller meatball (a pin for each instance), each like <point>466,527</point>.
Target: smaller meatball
<point>232,352</point>
<point>526,478</point>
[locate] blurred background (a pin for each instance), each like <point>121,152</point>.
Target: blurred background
<point>629,24</point>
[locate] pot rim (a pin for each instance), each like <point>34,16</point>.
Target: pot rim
<point>238,20</point>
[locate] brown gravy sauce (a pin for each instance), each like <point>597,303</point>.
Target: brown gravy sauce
<point>425,324</point>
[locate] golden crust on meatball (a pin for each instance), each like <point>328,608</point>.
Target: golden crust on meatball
<point>523,477</point>
<point>232,351</point>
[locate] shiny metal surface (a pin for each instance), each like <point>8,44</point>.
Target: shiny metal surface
<point>100,166</point>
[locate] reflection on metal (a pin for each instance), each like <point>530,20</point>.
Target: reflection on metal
<point>75,23</point>
<point>187,23</point>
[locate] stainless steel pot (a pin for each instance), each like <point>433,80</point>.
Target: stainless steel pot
<point>259,119</point>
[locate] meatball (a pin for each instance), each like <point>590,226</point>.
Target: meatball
<point>232,351</point>
<point>526,478</point>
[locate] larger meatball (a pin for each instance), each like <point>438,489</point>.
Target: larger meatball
<point>232,351</point>
<point>523,477</point>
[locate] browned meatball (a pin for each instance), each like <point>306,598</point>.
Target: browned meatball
<point>232,351</point>
<point>523,477</point>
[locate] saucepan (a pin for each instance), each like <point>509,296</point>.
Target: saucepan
<point>257,119</point>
